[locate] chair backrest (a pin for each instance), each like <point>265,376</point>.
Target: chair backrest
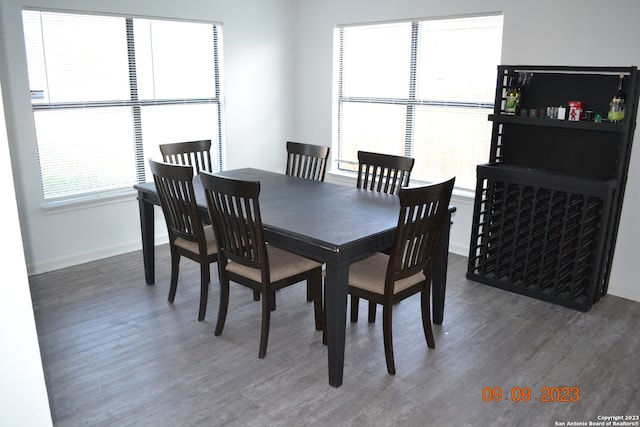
<point>235,214</point>
<point>174,184</point>
<point>306,160</point>
<point>423,214</point>
<point>192,153</point>
<point>384,173</point>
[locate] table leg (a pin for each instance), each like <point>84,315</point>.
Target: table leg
<point>147,227</point>
<point>335,301</point>
<point>439,282</point>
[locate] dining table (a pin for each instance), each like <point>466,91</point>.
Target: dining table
<point>330,223</point>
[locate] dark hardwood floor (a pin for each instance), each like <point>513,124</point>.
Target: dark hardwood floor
<point>116,354</point>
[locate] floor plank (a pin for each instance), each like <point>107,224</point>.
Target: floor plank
<point>116,353</point>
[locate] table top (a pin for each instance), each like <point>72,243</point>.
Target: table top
<point>329,217</point>
<point>332,214</point>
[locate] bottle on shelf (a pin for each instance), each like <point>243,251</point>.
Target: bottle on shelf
<point>513,98</point>
<point>616,107</point>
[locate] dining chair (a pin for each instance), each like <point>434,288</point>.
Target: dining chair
<point>246,258</point>
<point>306,160</point>
<point>191,153</point>
<point>188,236</point>
<point>388,279</point>
<point>385,173</point>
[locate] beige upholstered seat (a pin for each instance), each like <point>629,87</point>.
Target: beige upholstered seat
<point>245,257</point>
<point>282,264</point>
<point>191,246</point>
<point>188,236</point>
<point>369,274</point>
<point>407,270</point>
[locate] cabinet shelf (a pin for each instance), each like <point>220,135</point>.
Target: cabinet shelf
<point>554,179</point>
<point>547,205</point>
<point>563,124</point>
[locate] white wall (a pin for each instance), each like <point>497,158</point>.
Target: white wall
<point>23,394</point>
<point>545,32</point>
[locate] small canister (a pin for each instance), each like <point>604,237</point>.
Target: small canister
<point>588,115</point>
<point>562,112</point>
<point>575,111</point>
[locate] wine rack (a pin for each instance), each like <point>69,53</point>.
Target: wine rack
<point>539,238</point>
<point>547,206</point>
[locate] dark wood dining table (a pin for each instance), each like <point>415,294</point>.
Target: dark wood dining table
<point>330,223</point>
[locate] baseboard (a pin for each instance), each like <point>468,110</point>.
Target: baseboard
<point>459,249</point>
<point>81,258</point>
<point>622,291</point>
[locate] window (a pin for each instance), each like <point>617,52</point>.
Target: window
<point>107,90</point>
<point>418,88</point>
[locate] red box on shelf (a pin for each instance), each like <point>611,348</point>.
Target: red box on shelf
<point>575,111</point>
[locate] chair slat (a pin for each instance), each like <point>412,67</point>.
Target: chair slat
<point>191,153</point>
<point>384,173</point>
<point>306,160</point>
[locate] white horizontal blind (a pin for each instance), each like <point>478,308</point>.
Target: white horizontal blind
<point>107,90</point>
<point>419,88</point>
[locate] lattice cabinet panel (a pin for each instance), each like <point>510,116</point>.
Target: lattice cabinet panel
<point>539,239</point>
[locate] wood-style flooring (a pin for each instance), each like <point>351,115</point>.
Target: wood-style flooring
<point>115,353</point>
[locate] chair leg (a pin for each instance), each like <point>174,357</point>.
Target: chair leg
<point>224,303</point>
<point>323,274</point>
<point>175,267</point>
<point>266,318</point>
<point>388,338</point>
<point>354,308</point>
<point>324,324</point>
<point>372,312</point>
<point>272,302</point>
<point>309,293</point>
<point>315,284</point>
<point>426,318</point>
<point>204,288</point>
<point>324,328</point>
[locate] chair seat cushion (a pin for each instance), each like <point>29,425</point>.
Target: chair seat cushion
<point>369,274</point>
<point>282,264</point>
<point>212,246</point>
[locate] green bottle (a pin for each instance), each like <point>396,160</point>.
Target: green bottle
<point>616,106</point>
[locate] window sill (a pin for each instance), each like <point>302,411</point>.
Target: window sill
<point>87,201</point>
